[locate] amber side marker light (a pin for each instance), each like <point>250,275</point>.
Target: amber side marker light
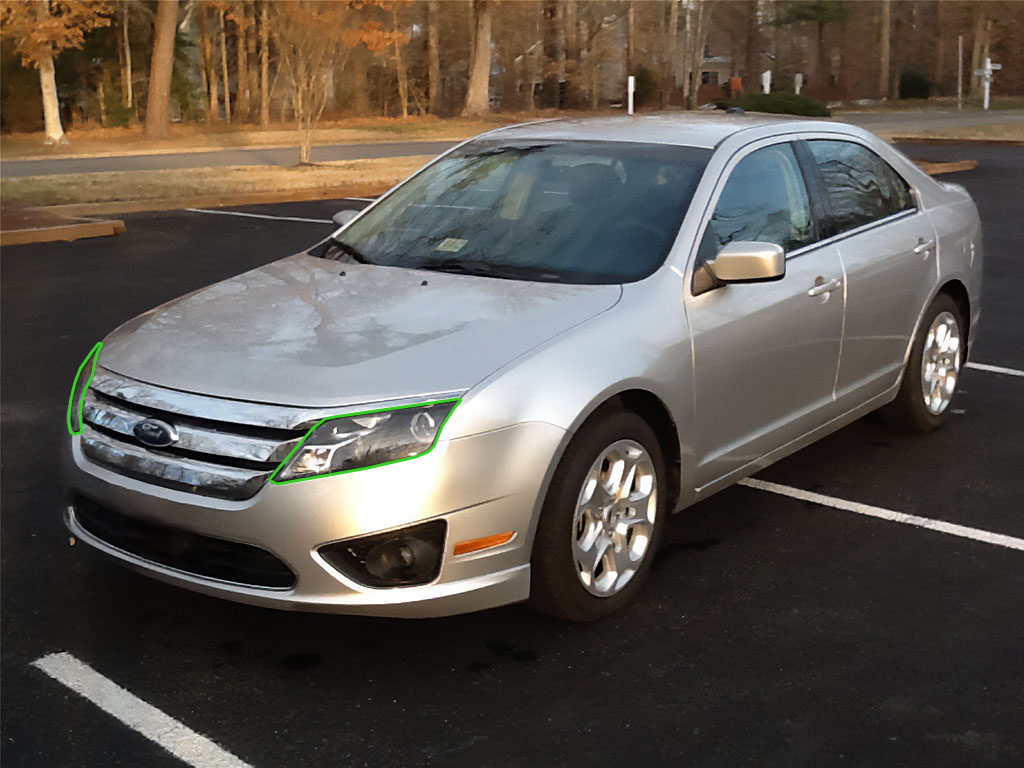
<point>475,545</point>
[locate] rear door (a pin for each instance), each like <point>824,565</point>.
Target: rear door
<point>888,250</point>
<point>765,354</point>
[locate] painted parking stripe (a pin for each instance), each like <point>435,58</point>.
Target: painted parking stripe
<point>996,369</point>
<point>179,740</point>
<point>941,526</point>
<point>260,216</point>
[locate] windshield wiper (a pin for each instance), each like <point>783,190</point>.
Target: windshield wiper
<point>485,269</point>
<point>352,251</point>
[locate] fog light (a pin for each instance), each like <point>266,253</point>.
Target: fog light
<point>395,559</point>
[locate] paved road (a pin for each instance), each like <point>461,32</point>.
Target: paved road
<point>773,631</point>
<point>285,156</point>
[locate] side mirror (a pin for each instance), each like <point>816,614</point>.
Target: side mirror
<point>749,262</point>
<point>341,218</point>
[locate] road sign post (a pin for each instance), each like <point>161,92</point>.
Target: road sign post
<point>986,79</point>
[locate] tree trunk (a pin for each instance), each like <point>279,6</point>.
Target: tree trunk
<point>883,49</point>
<point>101,97</point>
<point>400,73</point>
<point>209,74</point>
<point>630,39</point>
<point>980,22</point>
<point>560,55</point>
<point>687,54</point>
<point>671,43</point>
<point>824,65</point>
<point>480,63</point>
<point>700,36</point>
<point>253,83</point>
<point>127,98</point>
<point>359,100</point>
<point>752,63</point>
<point>224,66</point>
<point>265,64</point>
<point>433,58</point>
<point>51,107</point>
<point>241,65</point>
<point>160,68</point>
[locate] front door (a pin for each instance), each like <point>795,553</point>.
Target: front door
<point>765,354</point>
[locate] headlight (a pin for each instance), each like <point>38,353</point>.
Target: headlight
<point>362,440</point>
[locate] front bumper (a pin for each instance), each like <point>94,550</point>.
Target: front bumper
<point>480,485</point>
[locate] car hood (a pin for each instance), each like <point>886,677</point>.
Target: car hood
<point>311,332</point>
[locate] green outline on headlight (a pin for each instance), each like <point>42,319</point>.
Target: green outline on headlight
<point>288,458</point>
<point>93,354</point>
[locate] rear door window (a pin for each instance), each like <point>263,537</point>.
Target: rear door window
<point>861,187</point>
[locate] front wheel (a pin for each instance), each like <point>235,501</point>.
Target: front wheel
<point>933,370</point>
<point>601,521</point>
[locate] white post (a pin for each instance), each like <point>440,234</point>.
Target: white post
<point>987,79</point>
<point>959,73</point>
<point>798,82</point>
<point>630,87</point>
<point>766,81</point>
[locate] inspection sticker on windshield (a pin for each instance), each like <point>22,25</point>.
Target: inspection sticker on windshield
<point>451,245</point>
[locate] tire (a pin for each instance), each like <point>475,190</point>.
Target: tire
<point>910,411</point>
<point>556,585</point>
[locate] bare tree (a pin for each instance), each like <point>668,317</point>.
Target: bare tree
<point>433,58</point>
<point>477,96</point>
<point>160,69</point>
<point>240,16</point>
<point>696,38</point>
<point>209,72</point>
<point>39,32</point>
<point>883,50</point>
<point>221,14</point>
<point>265,63</point>
<point>309,57</point>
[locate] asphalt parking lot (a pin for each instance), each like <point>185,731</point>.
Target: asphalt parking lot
<point>774,631</point>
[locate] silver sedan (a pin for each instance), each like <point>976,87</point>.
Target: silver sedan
<point>496,382</point>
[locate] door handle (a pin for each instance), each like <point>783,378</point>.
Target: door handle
<point>924,246</point>
<point>820,286</point>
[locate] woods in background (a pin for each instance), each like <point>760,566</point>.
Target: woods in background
<point>119,62</point>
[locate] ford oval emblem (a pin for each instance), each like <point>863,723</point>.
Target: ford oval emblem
<point>155,433</point>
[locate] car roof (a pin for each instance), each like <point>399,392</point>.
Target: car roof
<point>691,129</point>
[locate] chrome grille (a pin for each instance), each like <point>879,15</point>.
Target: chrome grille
<point>224,448</point>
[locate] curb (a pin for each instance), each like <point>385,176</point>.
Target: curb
<point>217,201</point>
<point>940,141</point>
<point>72,231</point>
<point>936,168</point>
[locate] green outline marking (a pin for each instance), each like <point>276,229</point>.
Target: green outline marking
<point>93,354</point>
<point>288,458</point>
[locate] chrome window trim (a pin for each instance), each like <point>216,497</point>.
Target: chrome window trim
<point>852,233</point>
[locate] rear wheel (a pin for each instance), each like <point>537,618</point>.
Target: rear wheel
<point>601,520</point>
<point>933,370</point>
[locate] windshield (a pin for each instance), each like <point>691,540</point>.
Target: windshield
<point>569,211</point>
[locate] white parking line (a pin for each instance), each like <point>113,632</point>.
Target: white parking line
<point>180,741</point>
<point>995,369</point>
<point>260,216</point>
<point>887,514</point>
